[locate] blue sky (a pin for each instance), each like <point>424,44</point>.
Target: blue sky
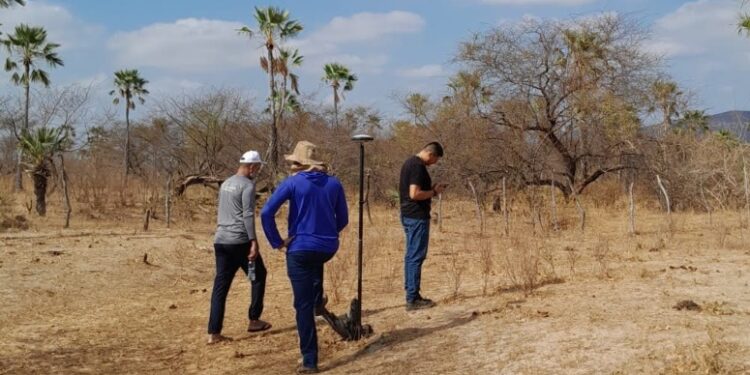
<point>395,47</point>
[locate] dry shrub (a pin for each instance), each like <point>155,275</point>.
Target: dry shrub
<point>338,273</point>
<point>720,308</point>
<point>706,358</point>
<point>722,235</point>
<point>573,257</point>
<point>547,254</point>
<point>521,265</point>
<point>602,255</point>
<point>457,269</point>
<point>7,201</point>
<point>16,222</point>
<point>390,271</point>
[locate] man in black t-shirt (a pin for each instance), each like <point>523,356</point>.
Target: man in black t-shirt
<point>415,195</point>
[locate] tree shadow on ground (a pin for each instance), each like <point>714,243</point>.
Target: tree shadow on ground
<point>390,339</point>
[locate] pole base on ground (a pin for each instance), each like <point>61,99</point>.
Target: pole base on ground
<point>348,326</point>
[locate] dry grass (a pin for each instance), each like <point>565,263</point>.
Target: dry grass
<point>83,301</point>
<point>521,264</point>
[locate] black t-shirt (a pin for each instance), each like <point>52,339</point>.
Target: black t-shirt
<point>414,172</point>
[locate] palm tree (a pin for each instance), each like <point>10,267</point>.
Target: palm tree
<point>274,25</point>
<point>585,50</point>
<point>27,47</point>
<point>666,96</point>
<point>286,99</point>
<point>129,85</point>
<point>417,105</point>
<point>288,59</point>
<point>39,148</point>
<point>338,77</point>
<point>694,121</point>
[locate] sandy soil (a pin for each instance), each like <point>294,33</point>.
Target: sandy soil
<point>82,300</point>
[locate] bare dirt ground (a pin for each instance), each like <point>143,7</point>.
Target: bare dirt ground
<point>83,301</point>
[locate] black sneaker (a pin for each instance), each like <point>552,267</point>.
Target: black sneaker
<point>419,304</point>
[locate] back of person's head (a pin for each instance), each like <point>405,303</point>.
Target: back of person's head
<point>434,148</point>
<point>295,168</point>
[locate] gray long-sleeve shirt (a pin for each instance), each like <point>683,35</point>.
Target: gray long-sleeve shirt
<point>236,216</point>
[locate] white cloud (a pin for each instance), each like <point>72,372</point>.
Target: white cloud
<point>188,44</point>
<point>704,51</point>
<point>703,27</point>
<point>358,32</point>
<point>425,71</point>
<point>172,86</point>
<point>358,64</point>
<point>366,27</point>
<point>539,2</point>
<point>62,27</point>
<point>204,45</point>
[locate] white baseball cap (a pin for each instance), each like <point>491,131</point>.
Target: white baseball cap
<point>251,157</point>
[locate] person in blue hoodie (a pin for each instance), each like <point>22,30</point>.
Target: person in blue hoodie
<point>317,214</point>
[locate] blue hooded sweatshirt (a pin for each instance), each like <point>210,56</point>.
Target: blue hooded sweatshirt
<point>317,212</point>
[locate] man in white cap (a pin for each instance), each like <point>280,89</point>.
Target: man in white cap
<point>236,246</point>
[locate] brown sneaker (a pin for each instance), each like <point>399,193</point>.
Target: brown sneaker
<point>258,326</point>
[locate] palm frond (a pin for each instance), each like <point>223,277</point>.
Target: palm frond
<point>26,46</point>
<point>743,26</point>
<point>244,30</point>
<point>9,3</point>
<point>38,75</point>
<point>295,83</point>
<point>128,84</point>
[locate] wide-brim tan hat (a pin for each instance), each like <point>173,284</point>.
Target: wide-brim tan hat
<point>304,153</point>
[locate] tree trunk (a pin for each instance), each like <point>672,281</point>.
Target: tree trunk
<point>18,183</point>
<point>146,219</point>
<point>168,200</point>
<point>480,217</point>
<point>707,205</point>
<point>506,213</point>
<point>126,162</point>
<point>273,142</point>
<point>553,208</point>
<point>335,108</point>
<point>40,190</point>
<point>666,196</point>
<point>581,210</point>
<point>66,196</point>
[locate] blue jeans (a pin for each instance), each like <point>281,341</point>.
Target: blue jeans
<point>417,237</point>
<point>305,270</point>
<point>230,258</point>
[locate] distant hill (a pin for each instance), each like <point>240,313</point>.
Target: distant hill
<point>736,122</point>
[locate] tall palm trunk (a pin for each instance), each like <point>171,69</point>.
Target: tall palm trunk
<point>18,183</point>
<point>282,103</point>
<point>40,189</point>
<point>335,107</point>
<point>127,139</point>
<point>273,153</point>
